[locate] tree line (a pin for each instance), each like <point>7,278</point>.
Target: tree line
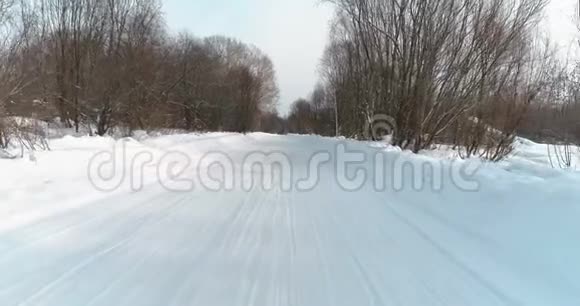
<point>472,74</point>
<point>100,65</point>
<point>468,73</point>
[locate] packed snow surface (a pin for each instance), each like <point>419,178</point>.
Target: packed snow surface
<point>513,238</point>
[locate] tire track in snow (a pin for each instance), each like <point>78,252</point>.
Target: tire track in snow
<point>159,234</point>
<point>451,258</point>
<point>94,217</point>
<point>136,226</point>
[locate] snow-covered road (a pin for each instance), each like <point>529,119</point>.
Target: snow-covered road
<point>512,242</point>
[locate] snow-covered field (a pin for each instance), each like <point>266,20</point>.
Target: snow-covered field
<point>172,229</point>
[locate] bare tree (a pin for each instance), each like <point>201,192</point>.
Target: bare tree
<point>109,65</point>
<point>427,64</point>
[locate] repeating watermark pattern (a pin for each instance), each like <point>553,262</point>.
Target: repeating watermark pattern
<point>349,169</point>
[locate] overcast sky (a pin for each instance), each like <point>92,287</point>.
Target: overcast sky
<point>560,25</point>
<point>294,32</point>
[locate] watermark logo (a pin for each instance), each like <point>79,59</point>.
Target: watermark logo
<point>348,165</point>
<point>380,126</point>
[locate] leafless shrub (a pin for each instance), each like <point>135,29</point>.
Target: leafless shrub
<point>561,152</point>
<point>26,135</point>
<point>561,156</point>
<point>4,135</point>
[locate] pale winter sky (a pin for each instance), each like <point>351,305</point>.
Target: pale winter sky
<point>294,32</point>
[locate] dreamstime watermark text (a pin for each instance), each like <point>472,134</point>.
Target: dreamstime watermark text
<point>349,169</point>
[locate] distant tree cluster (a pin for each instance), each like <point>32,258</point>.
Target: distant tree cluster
<point>111,64</point>
<point>312,116</point>
<point>556,117</point>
